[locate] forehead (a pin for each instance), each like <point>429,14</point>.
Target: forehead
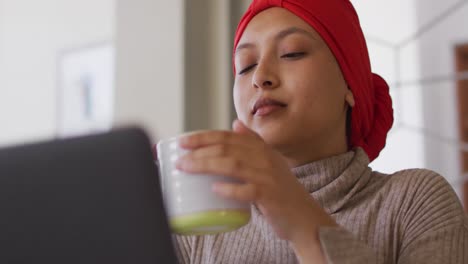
<point>269,22</point>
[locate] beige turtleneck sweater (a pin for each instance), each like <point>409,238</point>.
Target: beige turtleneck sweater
<point>412,216</point>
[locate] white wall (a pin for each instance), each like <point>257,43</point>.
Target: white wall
<point>150,72</point>
<point>440,104</point>
<point>426,114</point>
<point>404,149</point>
<point>151,63</point>
<point>32,34</point>
<point>2,59</point>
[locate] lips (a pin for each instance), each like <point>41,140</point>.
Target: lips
<point>264,106</point>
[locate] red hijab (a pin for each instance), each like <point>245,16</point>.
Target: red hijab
<point>337,23</point>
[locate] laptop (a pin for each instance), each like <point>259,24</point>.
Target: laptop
<point>89,199</point>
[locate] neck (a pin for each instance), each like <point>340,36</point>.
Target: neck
<point>310,150</point>
<point>296,159</point>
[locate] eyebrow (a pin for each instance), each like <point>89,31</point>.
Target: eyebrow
<point>281,35</point>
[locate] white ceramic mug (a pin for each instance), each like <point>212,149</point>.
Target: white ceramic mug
<point>193,208</point>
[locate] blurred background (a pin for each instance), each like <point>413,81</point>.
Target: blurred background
<point>70,67</point>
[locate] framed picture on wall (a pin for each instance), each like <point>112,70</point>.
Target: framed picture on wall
<point>85,89</point>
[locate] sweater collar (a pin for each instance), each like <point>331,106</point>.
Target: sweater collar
<point>334,181</point>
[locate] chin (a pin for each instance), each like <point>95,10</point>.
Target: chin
<point>274,136</point>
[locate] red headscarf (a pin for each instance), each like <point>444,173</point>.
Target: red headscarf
<point>337,23</point>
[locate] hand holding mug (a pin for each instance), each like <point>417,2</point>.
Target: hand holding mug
<point>264,178</point>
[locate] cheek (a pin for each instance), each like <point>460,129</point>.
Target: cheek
<point>241,100</point>
<point>319,84</point>
<point>312,96</point>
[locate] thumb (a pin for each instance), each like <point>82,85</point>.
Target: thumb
<point>241,128</point>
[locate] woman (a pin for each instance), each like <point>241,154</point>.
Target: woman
<point>311,116</point>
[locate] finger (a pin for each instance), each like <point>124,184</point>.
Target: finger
<point>206,138</point>
<point>240,192</point>
<point>239,127</point>
<point>225,166</point>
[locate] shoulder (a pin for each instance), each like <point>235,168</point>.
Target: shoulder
<point>422,184</point>
<point>428,212</point>
<point>424,199</point>
<point>412,183</point>
<point>419,182</point>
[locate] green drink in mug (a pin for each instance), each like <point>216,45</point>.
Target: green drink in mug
<point>192,207</point>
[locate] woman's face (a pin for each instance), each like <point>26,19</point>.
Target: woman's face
<point>289,88</point>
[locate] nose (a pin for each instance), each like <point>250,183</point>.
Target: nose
<point>265,76</point>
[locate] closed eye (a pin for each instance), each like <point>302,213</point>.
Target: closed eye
<point>293,55</point>
<point>247,69</point>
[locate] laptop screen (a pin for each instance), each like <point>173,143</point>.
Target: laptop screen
<point>92,199</point>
